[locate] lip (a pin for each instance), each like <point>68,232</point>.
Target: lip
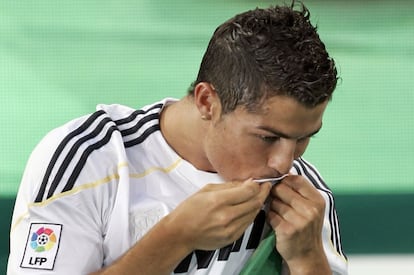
<point>273,181</point>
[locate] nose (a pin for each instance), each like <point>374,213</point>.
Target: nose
<point>282,155</point>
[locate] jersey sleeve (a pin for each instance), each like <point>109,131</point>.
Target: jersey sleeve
<point>64,200</point>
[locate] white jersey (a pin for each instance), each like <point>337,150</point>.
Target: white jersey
<point>96,185</point>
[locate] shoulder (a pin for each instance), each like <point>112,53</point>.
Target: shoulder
<point>134,125</point>
<point>59,158</point>
<point>87,149</point>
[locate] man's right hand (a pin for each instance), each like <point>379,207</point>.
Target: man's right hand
<point>218,214</point>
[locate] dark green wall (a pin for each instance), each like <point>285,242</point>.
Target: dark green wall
<point>6,206</point>
<point>376,223</point>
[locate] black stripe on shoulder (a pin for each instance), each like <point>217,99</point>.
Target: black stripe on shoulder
<point>91,119</point>
<point>132,130</point>
<point>140,123</point>
<point>75,148</point>
<point>81,163</point>
<point>143,136</point>
<point>132,116</point>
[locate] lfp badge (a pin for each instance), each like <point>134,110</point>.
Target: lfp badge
<point>43,239</point>
<point>42,246</point>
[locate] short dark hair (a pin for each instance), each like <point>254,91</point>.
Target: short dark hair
<point>266,52</point>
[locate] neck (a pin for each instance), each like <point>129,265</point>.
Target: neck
<point>184,130</point>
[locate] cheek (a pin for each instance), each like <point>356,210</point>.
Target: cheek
<point>235,153</point>
<point>247,157</point>
<point>236,160</point>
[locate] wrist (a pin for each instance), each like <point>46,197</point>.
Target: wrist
<point>316,263</point>
<point>174,234</point>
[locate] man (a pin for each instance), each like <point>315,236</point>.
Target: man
<point>172,187</point>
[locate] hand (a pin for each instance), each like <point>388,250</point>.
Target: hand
<point>214,217</point>
<point>296,214</point>
<point>218,214</point>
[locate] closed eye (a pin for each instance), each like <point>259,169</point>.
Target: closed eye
<point>269,139</point>
<point>272,139</point>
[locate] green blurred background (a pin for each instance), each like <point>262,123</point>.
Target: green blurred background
<point>58,59</point>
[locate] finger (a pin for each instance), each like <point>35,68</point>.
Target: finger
<point>264,191</point>
<point>279,225</point>
<point>287,212</point>
<point>221,186</point>
<point>247,191</point>
<point>285,193</point>
<point>295,187</point>
<point>295,208</point>
<point>302,186</point>
<point>245,211</point>
<point>274,219</point>
<point>309,192</point>
<point>239,224</point>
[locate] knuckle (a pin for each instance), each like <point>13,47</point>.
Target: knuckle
<point>224,220</point>
<point>252,189</point>
<point>226,234</point>
<point>313,211</point>
<point>213,201</point>
<point>290,231</point>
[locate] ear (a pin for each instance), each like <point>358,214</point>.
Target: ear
<point>206,99</point>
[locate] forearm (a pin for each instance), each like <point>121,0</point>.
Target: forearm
<point>158,252</point>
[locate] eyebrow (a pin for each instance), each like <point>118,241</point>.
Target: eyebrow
<point>283,135</point>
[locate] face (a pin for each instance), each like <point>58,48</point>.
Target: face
<point>240,145</point>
